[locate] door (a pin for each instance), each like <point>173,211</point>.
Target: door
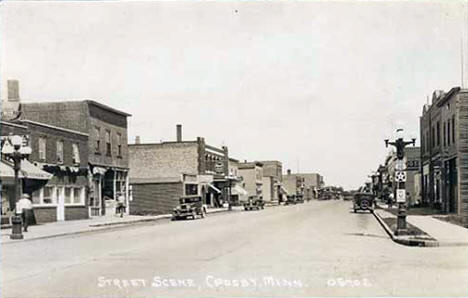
<point>60,196</point>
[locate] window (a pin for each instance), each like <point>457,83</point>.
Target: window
<point>76,154</point>
<point>453,129</point>
<point>119,144</point>
<point>77,195</point>
<point>108,142</point>
<point>44,196</point>
<point>191,189</point>
<point>68,195</point>
<point>97,136</point>
<point>59,151</point>
<point>448,132</point>
<point>438,133</point>
<point>42,148</point>
<point>445,135</point>
<point>433,137</point>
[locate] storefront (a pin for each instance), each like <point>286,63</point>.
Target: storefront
<point>106,185</point>
<point>31,178</point>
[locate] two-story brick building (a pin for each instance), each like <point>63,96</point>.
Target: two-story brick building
<point>106,146</point>
<point>444,152</point>
<point>272,180</point>
<point>252,178</point>
<point>62,153</point>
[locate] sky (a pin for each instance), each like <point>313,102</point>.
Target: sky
<point>315,85</point>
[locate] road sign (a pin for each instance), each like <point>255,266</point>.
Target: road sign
<point>400,165</point>
<point>401,196</point>
<point>400,176</point>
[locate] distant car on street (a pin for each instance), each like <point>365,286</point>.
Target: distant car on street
<point>291,200</point>
<point>254,203</point>
<point>363,201</point>
<point>190,206</point>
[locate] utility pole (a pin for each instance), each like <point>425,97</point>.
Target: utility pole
<point>400,179</point>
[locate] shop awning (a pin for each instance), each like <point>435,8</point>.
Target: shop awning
<point>238,190</point>
<point>284,190</point>
<point>214,188</point>
<point>27,170</point>
<point>99,170</point>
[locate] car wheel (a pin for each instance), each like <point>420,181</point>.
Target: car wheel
<point>355,210</point>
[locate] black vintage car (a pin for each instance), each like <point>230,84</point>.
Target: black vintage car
<point>190,206</point>
<point>363,201</point>
<point>254,203</point>
<point>291,200</point>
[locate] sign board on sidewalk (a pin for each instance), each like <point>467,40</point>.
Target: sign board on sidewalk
<point>401,196</point>
<point>400,176</point>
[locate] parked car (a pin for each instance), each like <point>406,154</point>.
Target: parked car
<point>190,206</point>
<point>363,201</point>
<point>254,202</point>
<point>299,199</point>
<point>291,200</point>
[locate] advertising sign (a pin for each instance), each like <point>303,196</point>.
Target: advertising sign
<point>401,196</point>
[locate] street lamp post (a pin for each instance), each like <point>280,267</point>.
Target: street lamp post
<point>400,145</point>
<point>13,149</point>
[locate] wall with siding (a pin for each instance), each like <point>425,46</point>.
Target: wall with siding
<point>45,214</point>
<point>76,212</point>
<point>155,198</point>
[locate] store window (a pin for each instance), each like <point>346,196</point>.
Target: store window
<point>191,189</point>
<point>68,195</point>
<point>42,148</point>
<point>77,195</point>
<point>44,196</point>
<point>59,151</point>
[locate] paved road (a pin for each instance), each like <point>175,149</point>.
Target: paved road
<point>317,248</point>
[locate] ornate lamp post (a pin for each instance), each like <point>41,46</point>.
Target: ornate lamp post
<point>14,149</point>
<point>400,145</point>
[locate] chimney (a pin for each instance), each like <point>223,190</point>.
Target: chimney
<point>289,171</point>
<point>179,132</point>
<point>137,140</point>
<point>13,90</point>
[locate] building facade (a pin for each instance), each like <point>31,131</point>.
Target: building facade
<point>252,178</point>
<point>153,161</point>
<point>272,180</point>
<point>107,148</point>
<point>444,152</point>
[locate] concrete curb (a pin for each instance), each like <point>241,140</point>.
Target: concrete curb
<point>405,240</point>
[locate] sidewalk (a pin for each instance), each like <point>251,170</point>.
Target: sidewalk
<point>62,228</point>
<point>445,233</point>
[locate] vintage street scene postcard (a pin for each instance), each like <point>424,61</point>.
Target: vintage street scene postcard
<point>234,148</point>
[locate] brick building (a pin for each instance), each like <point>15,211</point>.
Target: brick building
<point>63,154</point>
<point>272,180</point>
<point>444,152</point>
<point>107,150</point>
<point>252,178</point>
<point>293,184</point>
<point>174,159</point>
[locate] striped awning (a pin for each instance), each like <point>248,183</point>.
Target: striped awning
<point>27,171</point>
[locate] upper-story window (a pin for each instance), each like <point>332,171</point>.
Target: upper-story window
<point>453,129</point>
<point>42,148</point>
<point>119,144</point>
<point>59,151</point>
<point>448,132</point>
<point>445,134</point>
<point>76,154</point>
<point>108,142</point>
<point>97,136</point>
